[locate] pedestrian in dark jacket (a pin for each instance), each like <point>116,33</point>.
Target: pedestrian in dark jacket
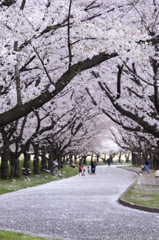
<point>109,162</point>
<point>147,165</point>
<point>93,167</point>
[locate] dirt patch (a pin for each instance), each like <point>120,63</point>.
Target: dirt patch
<point>149,179</point>
<point>144,178</point>
<point>145,191</point>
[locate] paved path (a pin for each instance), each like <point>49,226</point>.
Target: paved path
<point>80,208</point>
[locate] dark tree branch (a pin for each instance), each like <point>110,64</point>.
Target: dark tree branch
<point>23,5</point>
<point>92,99</point>
<point>17,76</point>
<point>69,37</point>
<point>139,120</point>
<point>7,3</point>
<point>42,62</point>
<point>155,65</point>
<point>120,69</point>
<point>24,109</point>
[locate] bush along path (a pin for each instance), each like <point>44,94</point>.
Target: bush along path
<point>144,193</point>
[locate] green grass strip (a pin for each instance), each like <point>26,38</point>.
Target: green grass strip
<point>5,235</point>
<point>23,182</point>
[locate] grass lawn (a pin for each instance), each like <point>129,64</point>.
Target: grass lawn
<point>4,235</point>
<point>145,190</point>
<point>15,184</point>
<point>147,195</point>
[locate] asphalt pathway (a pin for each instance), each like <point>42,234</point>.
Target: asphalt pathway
<point>81,207</point>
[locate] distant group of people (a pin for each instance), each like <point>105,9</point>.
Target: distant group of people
<point>82,170</point>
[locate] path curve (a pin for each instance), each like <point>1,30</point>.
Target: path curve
<point>79,208</point>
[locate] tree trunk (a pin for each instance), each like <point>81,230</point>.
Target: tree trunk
<point>36,160</point>
<point>137,159</point>
<point>105,158</point>
<point>127,156</point>
<point>92,157</point>
<point>84,160</point>
<point>119,157</point>
<point>50,161</point>
<point>26,164</point>
<point>4,164</point>
<point>14,167</point>
<point>63,160</point>
<point>75,158</point>
<point>155,160</point>
<point>43,160</point>
<point>70,159</point>
<point>59,162</point>
<point>98,158</point>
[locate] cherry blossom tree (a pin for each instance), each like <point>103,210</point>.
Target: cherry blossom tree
<point>71,30</point>
<point>103,51</point>
<point>132,87</point>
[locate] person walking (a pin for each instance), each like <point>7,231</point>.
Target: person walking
<point>93,167</point>
<point>80,169</point>
<point>83,170</point>
<point>147,165</point>
<point>109,162</point>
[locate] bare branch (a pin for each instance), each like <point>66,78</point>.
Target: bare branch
<point>68,37</point>
<point>17,76</point>
<point>22,5</point>
<point>42,62</point>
